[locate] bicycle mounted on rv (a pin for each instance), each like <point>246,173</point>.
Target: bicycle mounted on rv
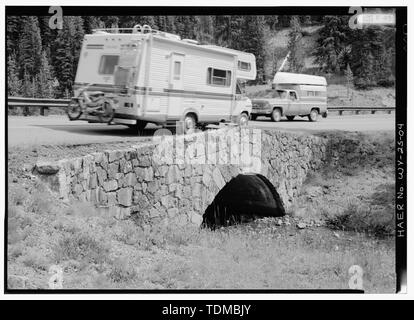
<point>93,103</point>
<point>157,77</point>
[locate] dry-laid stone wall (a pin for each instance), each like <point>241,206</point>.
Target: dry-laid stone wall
<point>175,178</point>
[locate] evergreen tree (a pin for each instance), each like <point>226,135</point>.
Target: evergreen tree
<point>222,30</point>
<point>385,77</point>
<point>13,82</point>
<point>30,47</point>
<point>252,41</point>
<point>349,79</point>
<point>13,32</point>
<point>205,29</point>
<point>67,47</point>
<point>28,86</point>
<point>271,22</point>
<point>370,62</point>
<point>296,57</point>
<point>63,60</point>
<point>330,53</point>
<point>44,79</point>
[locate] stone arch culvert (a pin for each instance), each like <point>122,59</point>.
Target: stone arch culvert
<point>203,178</point>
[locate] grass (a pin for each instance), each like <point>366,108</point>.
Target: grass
<point>123,254</point>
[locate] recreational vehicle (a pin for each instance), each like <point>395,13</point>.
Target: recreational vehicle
<point>293,95</point>
<point>159,78</point>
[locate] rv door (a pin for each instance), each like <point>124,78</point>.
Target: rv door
<point>175,85</point>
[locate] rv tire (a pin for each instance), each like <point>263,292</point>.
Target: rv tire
<point>190,123</point>
<point>139,127</point>
<point>107,113</point>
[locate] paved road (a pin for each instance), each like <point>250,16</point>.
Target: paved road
<point>52,130</point>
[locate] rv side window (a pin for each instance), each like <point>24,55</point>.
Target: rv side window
<point>219,77</point>
<point>107,64</point>
<point>245,66</point>
<point>311,93</point>
<point>177,70</point>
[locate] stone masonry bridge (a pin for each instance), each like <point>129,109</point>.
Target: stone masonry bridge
<point>175,178</point>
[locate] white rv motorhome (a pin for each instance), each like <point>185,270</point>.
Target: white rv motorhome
<point>160,78</point>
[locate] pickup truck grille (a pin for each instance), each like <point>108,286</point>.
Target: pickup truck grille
<point>260,105</point>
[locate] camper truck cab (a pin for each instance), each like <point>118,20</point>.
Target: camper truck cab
<point>293,95</point>
<point>162,79</point>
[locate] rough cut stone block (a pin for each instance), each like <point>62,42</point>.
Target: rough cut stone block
<point>115,155</point>
<point>218,178</point>
<point>196,218</point>
<point>113,169</point>
<point>102,176</point>
<point>110,185</point>
<point>111,198</point>
<point>172,212</point>
<point>125,197</point>
<point>43,167</point>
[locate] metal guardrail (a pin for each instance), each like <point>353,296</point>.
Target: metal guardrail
<point>358,110</point>
<point>45,104</point>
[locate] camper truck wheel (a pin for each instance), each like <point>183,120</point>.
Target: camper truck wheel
<point>74,110</point>
<point>290,118</point>
<point>243,120</point>
<point>276,115</point>
<point>313,116</point>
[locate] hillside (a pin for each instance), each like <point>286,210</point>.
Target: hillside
<point>276,44</point>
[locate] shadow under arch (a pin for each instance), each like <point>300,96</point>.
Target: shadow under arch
<point>243,198</point>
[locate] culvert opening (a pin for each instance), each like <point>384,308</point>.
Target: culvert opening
<point>244,198</point>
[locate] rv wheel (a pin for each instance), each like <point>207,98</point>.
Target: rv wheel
<point>276,115</point>
<point>313,116</point>
<point>139,127</point>
<point>190,123</point>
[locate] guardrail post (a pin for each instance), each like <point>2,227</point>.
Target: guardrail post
<point>372,111</point>
<point>340,112</point>
<point>389,111</point>
<point>357,111</point>
<point>44,111</point>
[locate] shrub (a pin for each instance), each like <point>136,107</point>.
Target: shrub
<point>121,271</point>
<point>82,247</point>
<point>369,220</point>
<point>17,196</point>
<point>40,202</point>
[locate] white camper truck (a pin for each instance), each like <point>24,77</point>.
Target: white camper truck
<point>159,78</point>
<point>293,94</point>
